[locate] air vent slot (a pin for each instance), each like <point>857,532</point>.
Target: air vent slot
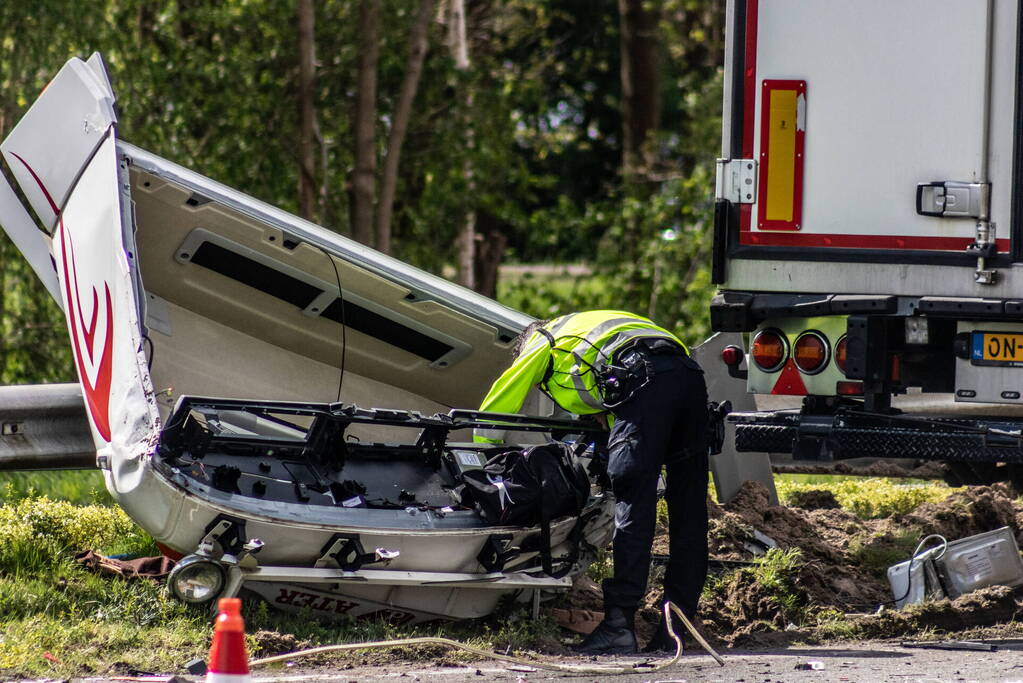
<point>375,325</point>
<point>281,285</point>
<point>254,274</point>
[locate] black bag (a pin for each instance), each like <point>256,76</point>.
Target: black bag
<point>529,487</point>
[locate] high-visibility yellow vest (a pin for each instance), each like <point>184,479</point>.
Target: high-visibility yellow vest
<point>567,371</point>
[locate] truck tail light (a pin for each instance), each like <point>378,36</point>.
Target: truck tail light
<point>768,350</point>
<point>848,388</point>
<point>840,351</point>
<point>810,352</point>
<point>731,355</point>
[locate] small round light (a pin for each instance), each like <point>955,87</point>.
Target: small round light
<point>768,350</point>
<point>840,351</point>
<point>810,352</point>
<point>731,355</point>
<point>196,580</point>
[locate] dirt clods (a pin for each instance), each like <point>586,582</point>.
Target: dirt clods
<point>814,499</point>
<point>830,564</point>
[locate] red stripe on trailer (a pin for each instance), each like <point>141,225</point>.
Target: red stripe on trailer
<point>778,239</point>
<point>749,101</point>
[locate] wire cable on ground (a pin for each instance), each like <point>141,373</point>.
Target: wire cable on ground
<point>669,608</point>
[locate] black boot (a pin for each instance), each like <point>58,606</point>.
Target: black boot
<point>615,635</point>
<point>661,641</point>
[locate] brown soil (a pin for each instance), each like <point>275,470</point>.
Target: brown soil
<point>270,643</point>
<point>814,499</point>
<point>844,559</point>
<point>880,468</point>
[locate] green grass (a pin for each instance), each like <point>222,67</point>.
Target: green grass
<point>81,487</point>
<point>93,624</point>
<point>877,552</point>
<point>868,497</point>
<point>98,625</point>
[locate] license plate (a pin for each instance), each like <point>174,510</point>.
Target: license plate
<point>997,348</point>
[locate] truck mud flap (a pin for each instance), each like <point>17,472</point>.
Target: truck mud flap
<point>857,435</point>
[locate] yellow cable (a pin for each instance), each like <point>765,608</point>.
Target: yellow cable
<point>669,608</point>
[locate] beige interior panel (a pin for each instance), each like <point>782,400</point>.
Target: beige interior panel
<point>202,357</point>
<point>165,220</point>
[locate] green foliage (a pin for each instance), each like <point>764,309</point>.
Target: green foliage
<point>602,568</point>
<point>876,552</point>
<point>35,533</point>
<point>873,497</point>
<point>93,624</point>
<point>79,487</point>
<point>213,86</point>
<point>777,574</point>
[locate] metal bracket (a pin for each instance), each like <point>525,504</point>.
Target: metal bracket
<point>228,532</point>
<point>346,551</point>
<point>495,552</point>
<point>736,180</point>
<point>950,199</point>
<point>984,248</point>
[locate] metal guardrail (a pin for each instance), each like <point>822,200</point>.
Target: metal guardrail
<point>44,427</point>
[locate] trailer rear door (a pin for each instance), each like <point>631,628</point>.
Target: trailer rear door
<point>866,120</point>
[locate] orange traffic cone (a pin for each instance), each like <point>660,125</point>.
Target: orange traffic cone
<point>228,661</point>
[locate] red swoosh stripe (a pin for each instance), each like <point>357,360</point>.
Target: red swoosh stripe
<point>97,397</point>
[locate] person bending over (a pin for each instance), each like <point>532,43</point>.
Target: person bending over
<point>599,362</point>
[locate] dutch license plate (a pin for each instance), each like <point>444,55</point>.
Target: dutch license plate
<point>997,348</point>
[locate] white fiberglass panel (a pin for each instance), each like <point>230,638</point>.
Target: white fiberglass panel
<point>895,97</point>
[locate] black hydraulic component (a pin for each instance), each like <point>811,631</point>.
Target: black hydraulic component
<point>855,434</point>
<point>325,444</point>
<point>495,553</point>
<point>346,490</point>
<point>225,478</point>
<point>716,414</point>
<point>869,356</point>
<point>347,551</point>
<point>231,537</point>
<point>719,254</point>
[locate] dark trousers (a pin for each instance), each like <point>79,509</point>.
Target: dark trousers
<point>662,424</point>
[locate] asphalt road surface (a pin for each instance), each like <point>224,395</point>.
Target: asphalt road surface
<point>868,661</point>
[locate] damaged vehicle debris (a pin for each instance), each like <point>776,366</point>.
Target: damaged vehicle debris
<point>223,349</point>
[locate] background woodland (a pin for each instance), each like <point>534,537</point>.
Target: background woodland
<point>554,154</point>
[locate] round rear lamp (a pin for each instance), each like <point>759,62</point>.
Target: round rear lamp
<point>197,580</point>
<point>840,351</point>
<point>810,352</point>
<point>731,355</point>
<point>768,350</point>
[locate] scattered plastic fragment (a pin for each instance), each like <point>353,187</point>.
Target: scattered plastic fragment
<point>810,665</point>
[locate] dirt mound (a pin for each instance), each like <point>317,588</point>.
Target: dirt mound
<point>823,537</point>
<point>970,510</point>
<point>841,563</point>
<point>992,605</point>
<point>879,468</point>
<point>814,499</point>
<point>270,643</point>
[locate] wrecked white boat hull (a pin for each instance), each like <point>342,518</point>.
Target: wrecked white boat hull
<point>175,286</point>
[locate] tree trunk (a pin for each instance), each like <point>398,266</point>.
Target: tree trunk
<point>364,174</point>
<point>459,45</point>
<point>489,253</point>
<point>306,111</point>
<point>418,45</point>
<point>641,97</point>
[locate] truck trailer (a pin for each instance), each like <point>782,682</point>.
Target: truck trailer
<point>869,230</point>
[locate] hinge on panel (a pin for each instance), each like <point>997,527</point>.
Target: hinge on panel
<point>950,199</point>
<point>736,180</point>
